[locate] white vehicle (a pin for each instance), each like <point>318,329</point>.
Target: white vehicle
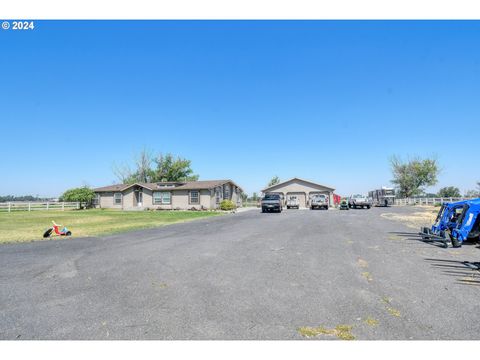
<point>383,197</point>
<point>359,201</point>
<point>293,202</point>
<point>319,201</point>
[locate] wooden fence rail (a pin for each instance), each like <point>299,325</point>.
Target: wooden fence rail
<point>36,206</point>
<point>428,201</point>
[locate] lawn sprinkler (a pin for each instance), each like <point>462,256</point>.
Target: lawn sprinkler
<point>55,231</point>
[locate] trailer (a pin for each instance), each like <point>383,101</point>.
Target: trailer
<point>382,197</point>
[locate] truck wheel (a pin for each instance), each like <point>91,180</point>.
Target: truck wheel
<point>368,206</point>
<point>263,210</point>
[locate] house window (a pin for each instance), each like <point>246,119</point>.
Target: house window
<point>96,199</point>
<point>162,198</point>
<point>117,198</point>
<point>226,192</point>
<point>194,197</point>
<point>218,196</point>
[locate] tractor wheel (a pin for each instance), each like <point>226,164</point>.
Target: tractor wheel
<point>455,242</point>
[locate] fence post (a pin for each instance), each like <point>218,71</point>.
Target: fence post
<point>78,205</point>
<point>47,205</point>
<point>29,206</point>
<point>63,206</point>
<point>9,206</point>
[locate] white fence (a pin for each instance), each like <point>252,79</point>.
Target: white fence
<point>428,201</point>
<point>35,206</point>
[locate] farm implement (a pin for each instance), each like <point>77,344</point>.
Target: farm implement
<point>459,220</point>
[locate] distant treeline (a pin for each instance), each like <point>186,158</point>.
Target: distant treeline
<point>8,198</point>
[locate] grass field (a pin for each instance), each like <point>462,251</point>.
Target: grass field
<point>425,216</point>
<point>27,226</point>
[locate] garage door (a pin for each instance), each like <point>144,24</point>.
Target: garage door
<point>301,198</point>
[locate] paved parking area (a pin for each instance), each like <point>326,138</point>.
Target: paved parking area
<point>243,276</point>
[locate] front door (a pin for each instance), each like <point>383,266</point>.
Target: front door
<point>139,198</point>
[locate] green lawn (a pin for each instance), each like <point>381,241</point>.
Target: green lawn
<point>28,226</point>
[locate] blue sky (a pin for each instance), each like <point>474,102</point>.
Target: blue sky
<point>329,101</point>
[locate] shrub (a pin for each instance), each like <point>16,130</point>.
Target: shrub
<point>227,205</point>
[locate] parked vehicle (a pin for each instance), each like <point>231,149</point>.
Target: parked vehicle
<point>459,220</point>
<point>293,202</point>
<point>360,201</point>
<point>272,202</point>
<point>343,204</point>
<point>382,197</point>
<point>319,201</point>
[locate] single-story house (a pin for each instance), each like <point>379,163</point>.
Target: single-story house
<point>174,195</point>
<point>304,190</point>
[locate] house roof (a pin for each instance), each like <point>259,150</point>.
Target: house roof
<point>296,178</point>
<point>187,185</point>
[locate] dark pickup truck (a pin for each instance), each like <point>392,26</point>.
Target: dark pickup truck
<point>272,202</point>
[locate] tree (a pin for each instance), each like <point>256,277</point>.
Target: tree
<point>413,176</point>
<point>83,195</point>
<point>472,193</point>
<point>254,196</point>
<point>143,169</point>
<point>170,168</point>
<point>274,181</point>
<point>149,168</point>
<point>449,191</point>
<point>244,196</point>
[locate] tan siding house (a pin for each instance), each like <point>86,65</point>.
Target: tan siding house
<point>302,189</point>
<point>199,195</point>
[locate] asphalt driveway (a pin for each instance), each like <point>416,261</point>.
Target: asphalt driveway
<point>243,276</point>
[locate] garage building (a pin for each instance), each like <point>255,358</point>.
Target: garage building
<point>302,189</point>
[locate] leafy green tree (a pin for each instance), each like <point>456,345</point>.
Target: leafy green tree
<point>170,168</point>
<point>449,191</point>
<point>244,196</point>
<point>274,181</point>
<point>149,168</point>
<point>472,193</point>
<point>83,195</point>
<point>254,196</point>
<point>413,176</point>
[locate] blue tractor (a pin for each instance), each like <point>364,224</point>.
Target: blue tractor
<point>450,217</point>
<point>468,224</point>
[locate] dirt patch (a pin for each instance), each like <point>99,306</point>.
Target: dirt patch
<point>425,216</point>
<point>393,312</point>
<point>371,321</point>
<point>367,276</point>
<point>341,331</point>
<point>362,263</point>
